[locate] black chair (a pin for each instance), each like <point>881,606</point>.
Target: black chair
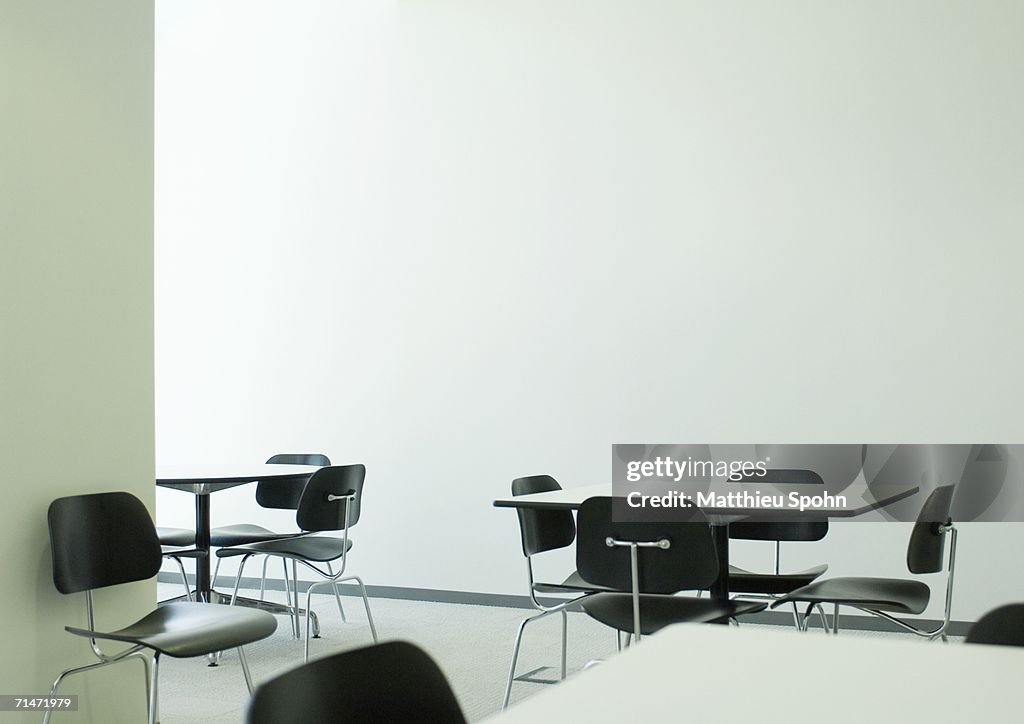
<point>391,682</point>
<point>542,531</point>
<point>778,583</point>
<point>330,501</point>
<point>884,597</point>
<point>105,539</point>
<point>176,544</point>
<point>1003,626</point>
<point>652,560</point>
<point>274,494</point>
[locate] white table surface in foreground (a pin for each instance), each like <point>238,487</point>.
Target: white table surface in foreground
<point>704,674</point>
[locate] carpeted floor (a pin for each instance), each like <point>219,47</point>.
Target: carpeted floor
<point>472,644</point>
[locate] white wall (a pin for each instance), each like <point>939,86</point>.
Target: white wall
<point>462,242</point>
<point>76,319</point>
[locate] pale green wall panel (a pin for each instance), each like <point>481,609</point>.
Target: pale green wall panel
<point>76,317</point>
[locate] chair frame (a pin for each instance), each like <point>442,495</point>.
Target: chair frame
<point>778,550</point>
<point>634,570</point>
<point>152,668</point>
<point>545,611</point>
<point>288,459</point>
<point>133,651</point>
<point>943,629</point>
<point>331,579</point>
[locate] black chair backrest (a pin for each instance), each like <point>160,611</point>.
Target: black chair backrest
<point>928,538</point>
<point>101,540</point>
<point>1003,626</point>
<point>285,494</point>
<point>690,562</point>
<point>809,529</point>
<point>316,512</point>
<point>390,682</point>
<point>542,530</point>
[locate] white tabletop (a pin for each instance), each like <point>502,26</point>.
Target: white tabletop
<point>202,479</point>
<point>700,673</point>
<point>567,498</point>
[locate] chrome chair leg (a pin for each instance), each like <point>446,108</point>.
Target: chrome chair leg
<point>366,604</point>
<point>295,584</point>
<point>238,578</point>
<point>150,694</point>
<point>823,617</point>
<point>289,594</point>
<point>76,670</point>
<point>337,594</point>
<point>154,678</point>
<point>245,669</point>
<point>263,577</point>
<point>805,620</point>
<point>216,572</point>
<point>214,658</point>
<point>515,652</point>
<point>184,578</point>
<point>309,601</point>
<point>515,659</point>
<point>565,636</point>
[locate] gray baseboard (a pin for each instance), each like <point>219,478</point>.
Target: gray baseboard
<point>772,618</point>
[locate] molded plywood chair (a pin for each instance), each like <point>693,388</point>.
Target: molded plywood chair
<point>280,494</point>
<point>107,539</point>
<point>390,682</point>
<point>778,582</point>
<point>884,597</point>
<point>274,494</point>
<point>653,561</point>
<point>541,531</point>
<point>331,501</point>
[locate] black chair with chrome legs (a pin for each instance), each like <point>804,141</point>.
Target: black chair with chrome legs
<point>1003,626</point>
<point>330,502</point>
<point>653,561</point>
<point>772,585</point>
<point>885,597</point>
<point>542,531</point>
<point>105,539</point>
<point>271,494</point>
<point>390,682</point>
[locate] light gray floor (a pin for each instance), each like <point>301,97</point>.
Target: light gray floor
<point>472,644</point>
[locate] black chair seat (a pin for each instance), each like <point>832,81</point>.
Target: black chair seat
<point>182,552</point>
<point>878,594</point>
<point>658,611</point>
<point>573,584</point>
<point>244,534</point>
<point>743,581</point>
<point>177,537</point>
<point>192,629</point>
<point>320,548</point>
